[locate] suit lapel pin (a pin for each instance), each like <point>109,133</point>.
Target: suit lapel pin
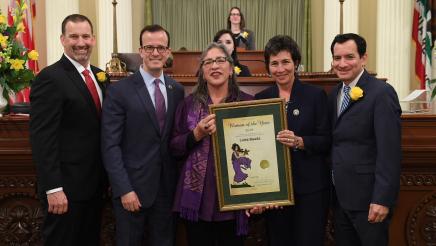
<point>170,87</point>
<point>296,112</point>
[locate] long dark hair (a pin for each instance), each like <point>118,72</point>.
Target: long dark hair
<point>201,93</point>
<point>234,54</point>
<point>241,24</point>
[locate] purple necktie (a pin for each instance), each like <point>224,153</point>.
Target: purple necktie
<point>159,101</point>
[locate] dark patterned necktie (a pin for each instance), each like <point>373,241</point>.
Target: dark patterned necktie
<point>346,99</point>
<point>159,101</point>
<point>92,90</point>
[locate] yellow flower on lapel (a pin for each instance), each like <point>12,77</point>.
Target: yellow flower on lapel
<point>244,35</point>
<point>101,76</point>
<point>356,93</point>
<point>237,70</point>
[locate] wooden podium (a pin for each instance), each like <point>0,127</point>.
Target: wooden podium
<point>414,221</point>
<point>412,224</point>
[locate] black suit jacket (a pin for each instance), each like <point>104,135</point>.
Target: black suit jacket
<point>307,117</point>
<point>65,132</point>
<point>135,152</point>
<point>366,146</point>
<point>245,72</point>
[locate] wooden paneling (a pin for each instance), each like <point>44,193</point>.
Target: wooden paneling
<point>413,222</point>
<point>186,63</point>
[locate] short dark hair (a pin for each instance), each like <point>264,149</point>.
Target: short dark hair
<point>218,36</point>
<point>342,38</point>
<point>282,43</point>
<point>75,18</point>
<point>241,24</point>
<point>154,28</point>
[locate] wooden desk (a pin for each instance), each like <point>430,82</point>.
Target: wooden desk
<point>186,63</point>
<point>414,221</point>
<point>412,224</point>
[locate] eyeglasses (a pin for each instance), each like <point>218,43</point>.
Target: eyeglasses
<point>235,14</point>
<point>219,61</point>
<point>151,48</point>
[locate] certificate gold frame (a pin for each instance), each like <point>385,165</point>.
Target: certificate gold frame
<point>252,167</point>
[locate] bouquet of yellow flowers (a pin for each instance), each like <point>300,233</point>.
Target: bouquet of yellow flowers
<point>14,76</point>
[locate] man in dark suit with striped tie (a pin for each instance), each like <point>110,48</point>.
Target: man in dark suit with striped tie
<point>65,136</point>
<point>366,147</point>
<point>137,120</point>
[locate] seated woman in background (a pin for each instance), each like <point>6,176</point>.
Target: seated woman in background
<point>225,37</point>
<point>236,23</point>
<point>196,198</point>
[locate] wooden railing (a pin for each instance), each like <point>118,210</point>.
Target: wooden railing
<point>413,222</point>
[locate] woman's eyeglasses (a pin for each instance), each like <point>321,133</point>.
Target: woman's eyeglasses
<point>219,61</point>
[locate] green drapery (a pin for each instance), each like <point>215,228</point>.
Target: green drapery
<point>148,12</point>
<point>193,23</point>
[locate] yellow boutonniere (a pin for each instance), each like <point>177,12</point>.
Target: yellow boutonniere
<point>237,70</point>
<point>356,93</point>
<point>101,76</point>
<point>244,35</point>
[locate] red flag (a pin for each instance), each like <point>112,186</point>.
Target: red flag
<point>421,35</point>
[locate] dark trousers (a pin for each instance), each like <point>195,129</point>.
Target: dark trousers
<point>216,233</point>
<point>353,228</point>
<point>302,224</point>
<point>80,225</point>
<point>158,219</point>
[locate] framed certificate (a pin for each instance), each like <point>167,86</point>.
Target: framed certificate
<point>252,167</point>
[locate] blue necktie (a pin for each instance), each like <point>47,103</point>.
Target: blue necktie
<point>159,101</point>
<point>346,99</point>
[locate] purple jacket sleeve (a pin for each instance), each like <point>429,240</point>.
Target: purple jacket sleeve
<point>181,132</point>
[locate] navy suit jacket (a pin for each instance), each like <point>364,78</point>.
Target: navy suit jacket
<point>65,132</point>
<point>309,168</point>
<point>366,146</point>
<point>135,152</point>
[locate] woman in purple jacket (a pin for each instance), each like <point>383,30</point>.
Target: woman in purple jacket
<point>196,198</point>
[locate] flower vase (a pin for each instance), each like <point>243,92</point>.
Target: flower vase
<point>3,101</point>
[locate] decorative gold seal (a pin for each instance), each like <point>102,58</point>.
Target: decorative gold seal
<point>264,164</point>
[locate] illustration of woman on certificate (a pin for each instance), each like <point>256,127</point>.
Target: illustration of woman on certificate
<point>240,162</point>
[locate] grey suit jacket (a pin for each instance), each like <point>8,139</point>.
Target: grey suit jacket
<point>366,146</point>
